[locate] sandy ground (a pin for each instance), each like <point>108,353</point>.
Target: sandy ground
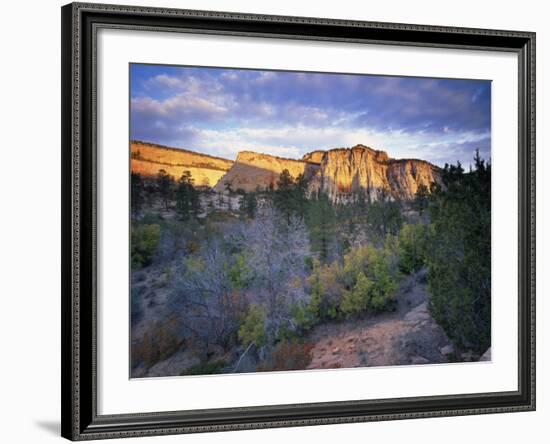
<point>408,335</point>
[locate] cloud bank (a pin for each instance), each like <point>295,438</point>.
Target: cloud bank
<point>224,111</point>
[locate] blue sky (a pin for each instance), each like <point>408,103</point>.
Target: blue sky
<point>223,111</point>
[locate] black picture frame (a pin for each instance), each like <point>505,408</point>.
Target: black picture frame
<point>80,22</point>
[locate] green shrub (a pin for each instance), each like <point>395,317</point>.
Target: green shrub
<point>358,299</point>
<point>356,261</point>
<point>384,283</point>
<point>303,317</point>
<point>412,247</point>
<point>252,330</point>
<point>145,240</point>
<point>369,280</point>
<point>240,274</point>
<point>325,291</point>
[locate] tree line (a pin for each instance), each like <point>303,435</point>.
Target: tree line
<point>289,259</point>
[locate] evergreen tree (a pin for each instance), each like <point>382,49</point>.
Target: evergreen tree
<point>248,205</point>
<point>459,255</point>
<point>361,202</point>
<point>285,195</point>
<point>187,197</point>
<point>421,199</point>
<point>300,192</point>
<point>384,215</point>
<point>165,186</point>
<point>137,193</point>
<point>320,219</point>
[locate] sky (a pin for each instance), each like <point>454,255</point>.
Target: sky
<point>222,111</point>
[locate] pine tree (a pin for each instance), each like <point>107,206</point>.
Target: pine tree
<point>165,185</point>
<point>187,197</point>
<point>320,219</point>
<point>459,255</point>
<point>421,199</point>
<point>384,215</point>
<point>284,196</point>
<point>137,193</point>
<point>248,205</point>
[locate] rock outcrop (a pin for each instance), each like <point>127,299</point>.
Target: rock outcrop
<point>314,156</point>
<point>340,173</point>
<point>344,171</point>
<point>252,171</point>
<point>147,159</point>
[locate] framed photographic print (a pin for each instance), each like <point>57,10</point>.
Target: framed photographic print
<point>279,221</point>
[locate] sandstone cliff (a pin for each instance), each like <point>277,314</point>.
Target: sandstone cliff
<point>252,171</point>
<point>314,156</point>
<point>147,159</point>
<point>344,171</point>
<point>339,172</point>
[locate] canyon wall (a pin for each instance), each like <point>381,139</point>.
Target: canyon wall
<point>344,171</point>
<point>147,159</point>
<point>339,172</point>
<point>252,171</point>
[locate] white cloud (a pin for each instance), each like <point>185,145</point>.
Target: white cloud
<point>294,141</point>
<point>182,104</point>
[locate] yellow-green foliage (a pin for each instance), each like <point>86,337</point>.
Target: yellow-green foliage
<point>325,291</point>
<point>366,281</point>
<point>384,283</point>
<point>412,247</point>
<point>357,300</point>
<point>369,279</point>
<point>356,261</point>
<point>145,240</point>
<point>240,273</point>
<point>252,330</point>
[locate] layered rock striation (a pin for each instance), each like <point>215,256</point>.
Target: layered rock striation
<point>343,172</point>
<point>147,159</point>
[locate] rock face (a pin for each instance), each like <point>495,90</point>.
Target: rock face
<point>340,172</point>
<point>314,156</point>
<point>345,171</point>
<point>252,171</point>
<point>147,159</point>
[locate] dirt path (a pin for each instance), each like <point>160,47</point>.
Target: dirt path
<point>408,335</point>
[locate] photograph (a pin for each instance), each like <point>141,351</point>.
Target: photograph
<point>289,220</point>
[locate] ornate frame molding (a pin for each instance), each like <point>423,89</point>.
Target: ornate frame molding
<point>80,21</point>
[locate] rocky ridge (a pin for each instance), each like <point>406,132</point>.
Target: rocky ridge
<point>344,171</point>
<point>252,171</point>
<point>339,172</point>
<point>147,159</point>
